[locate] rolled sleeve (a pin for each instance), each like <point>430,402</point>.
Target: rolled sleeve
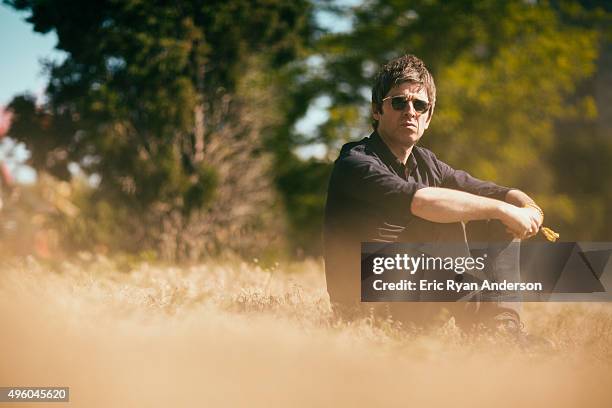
<point>461,180</point>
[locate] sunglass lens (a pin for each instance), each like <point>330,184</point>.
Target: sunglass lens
<point>399,103</point>
<point>420,106</point>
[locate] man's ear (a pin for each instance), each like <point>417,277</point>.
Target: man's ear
<point>375,113</point>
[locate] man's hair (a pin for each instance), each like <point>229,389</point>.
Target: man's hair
<point>407,68</point>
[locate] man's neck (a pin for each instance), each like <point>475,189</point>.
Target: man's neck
<point>400,152</point>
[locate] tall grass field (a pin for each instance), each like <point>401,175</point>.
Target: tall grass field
<point>234,334</point>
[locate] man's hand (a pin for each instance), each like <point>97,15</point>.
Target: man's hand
<point>523,201</point>
<point>536,215</point>
<point>523,223</point>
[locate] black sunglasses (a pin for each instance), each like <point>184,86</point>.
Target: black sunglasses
<point>400,102</point>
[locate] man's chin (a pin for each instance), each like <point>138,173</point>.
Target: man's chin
<point>410,140</point>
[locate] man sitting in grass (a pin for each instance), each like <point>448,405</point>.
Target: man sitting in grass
<point>385,188</point>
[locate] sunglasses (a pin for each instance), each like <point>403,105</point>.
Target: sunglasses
<point>400,102</point>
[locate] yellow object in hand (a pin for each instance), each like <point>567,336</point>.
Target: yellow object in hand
<point>550,235</point>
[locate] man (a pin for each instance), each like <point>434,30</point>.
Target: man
<point>385,188</point>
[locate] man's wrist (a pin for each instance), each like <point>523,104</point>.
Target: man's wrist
<point>514,197</point>
<point>499,210</point>
<point>535,207</point>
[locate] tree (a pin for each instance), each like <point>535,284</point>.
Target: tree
<point>166,103</point>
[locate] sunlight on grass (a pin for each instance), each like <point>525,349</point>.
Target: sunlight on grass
<point>235,334</point>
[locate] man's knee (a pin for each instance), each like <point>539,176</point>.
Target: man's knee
<point>487,231</point>
<point>420,230</point>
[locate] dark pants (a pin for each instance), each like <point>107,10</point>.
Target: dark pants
<point>486,236</point>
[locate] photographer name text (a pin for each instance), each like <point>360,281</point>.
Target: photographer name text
<point>451,285</point>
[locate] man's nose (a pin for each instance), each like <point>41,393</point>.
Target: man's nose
<point>409,109</point>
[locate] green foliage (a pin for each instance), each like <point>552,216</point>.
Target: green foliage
<point>122,104</point>
<point>510,77</point>
<point>304,186</point>
<point>186,111</point>
<point>149,99</point>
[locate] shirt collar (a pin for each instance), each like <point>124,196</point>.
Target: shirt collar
<point>386,155</point>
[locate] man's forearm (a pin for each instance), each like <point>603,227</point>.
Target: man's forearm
<point>445,205</point>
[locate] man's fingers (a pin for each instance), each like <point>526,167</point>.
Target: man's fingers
<point>515,234</point>
<point>533,230</point>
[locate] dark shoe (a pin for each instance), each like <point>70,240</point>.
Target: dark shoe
<point>508,324</point>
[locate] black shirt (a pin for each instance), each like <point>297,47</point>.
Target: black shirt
<point>368,199</point>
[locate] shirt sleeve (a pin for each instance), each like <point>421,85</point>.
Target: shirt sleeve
<point>461,180</point>
<point>370,182</point>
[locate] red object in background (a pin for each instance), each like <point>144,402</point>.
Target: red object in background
<point>6,179</point>
<point>5,121</point>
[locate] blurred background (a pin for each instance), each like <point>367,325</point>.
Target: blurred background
<point>184,130</point>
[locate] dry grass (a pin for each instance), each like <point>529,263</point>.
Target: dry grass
<point>234,334</point>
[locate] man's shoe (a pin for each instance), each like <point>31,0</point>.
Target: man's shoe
<point>509,324</point>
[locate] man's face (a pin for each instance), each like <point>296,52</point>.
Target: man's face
<point>402,129</point>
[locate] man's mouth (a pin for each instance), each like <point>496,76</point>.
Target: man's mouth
<point>409,124</point>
